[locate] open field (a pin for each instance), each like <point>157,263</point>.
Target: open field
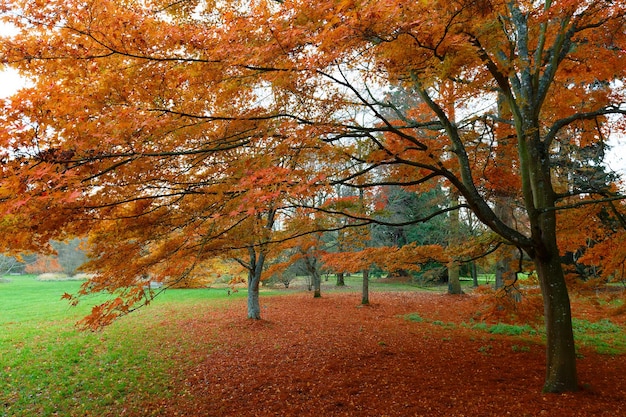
<point>192,353</point>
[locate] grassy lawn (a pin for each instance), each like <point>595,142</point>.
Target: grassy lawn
<point>48,368</point>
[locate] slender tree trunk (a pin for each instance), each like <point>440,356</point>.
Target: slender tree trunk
<point>474,274</point>
<point>256,255</point>
<point>365,293</point>
<point>255,268</point>
<point>254,307</point>
<point>454,282</point>
<point>317,285</point>
<point>506,272</point>
<point>340,280</point>
<point>314,274</point>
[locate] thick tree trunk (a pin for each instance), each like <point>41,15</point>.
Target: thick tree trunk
<point>502,266</point>
<point>454,281</point>
<point>560,349</point>
<point>561,352</point>
<point>365,293</point>
<point>340,280</point>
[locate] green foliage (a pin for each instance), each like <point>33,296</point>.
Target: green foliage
<point>485,349</point>
<point>504,329</point>
<point>403,206</point>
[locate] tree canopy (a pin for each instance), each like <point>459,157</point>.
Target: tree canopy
<point>168,131</point>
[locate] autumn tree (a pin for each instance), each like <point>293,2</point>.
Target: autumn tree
<point>137,107</point>
<point>544,60</point>
<point>163,157</point>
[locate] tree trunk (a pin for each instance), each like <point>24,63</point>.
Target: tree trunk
<point>540,202</point>
<point>561,352</point>
<point>506,273</point>
<point>474,274</point>
<point>365,294</point>
<point>255,268</point>
<point>340,280</point>
<point>502,266</point>
<point>254,307</point>
<point>317,285</point>
<point>454,282</point>
<point>314,274</point>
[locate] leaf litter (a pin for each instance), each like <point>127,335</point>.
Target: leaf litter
<point>332,357</point>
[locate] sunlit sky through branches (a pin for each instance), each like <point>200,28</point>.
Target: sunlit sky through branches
<point>11,82</point>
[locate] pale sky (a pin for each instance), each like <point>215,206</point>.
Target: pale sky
<point>616,157</point>
<point>10,82</point>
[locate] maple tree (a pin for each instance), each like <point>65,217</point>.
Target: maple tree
<point>165,130</point>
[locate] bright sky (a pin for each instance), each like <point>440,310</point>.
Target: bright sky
<point>10,82</point>
<point>616,157</point>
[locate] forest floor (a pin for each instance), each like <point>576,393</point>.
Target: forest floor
<point>332,357</point>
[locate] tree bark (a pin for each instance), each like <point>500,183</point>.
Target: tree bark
<point>505,270</point>
<point>560,347</point>
<point>255,268</point>
<point>316,279</point>
<point>365,293</point>
<point>454,281</point>
<point>317,285</point>
<point>254,307</point>
<point>474,274</point>
<point>340,280</point>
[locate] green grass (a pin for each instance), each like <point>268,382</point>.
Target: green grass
<point>48,368</point>
<point>414,317</point>
<point>507,329</point>
<point>603,336</point>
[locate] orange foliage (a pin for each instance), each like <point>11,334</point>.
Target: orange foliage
<point>44,264</point>
<point>167,131</point>
<point>408,257</point>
